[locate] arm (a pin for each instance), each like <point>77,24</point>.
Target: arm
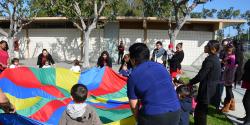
<point>133,100</point>
<point>205,69</point>
<point>5,103</point>
<point>134,105</point>
<point>39,60</point>
<point>95,120</point>
<point>51,59</point>
<point>63,120</point>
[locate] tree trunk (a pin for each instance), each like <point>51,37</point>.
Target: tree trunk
<point>11,48</point>
<point>81,45</point>
<point>86,49</point>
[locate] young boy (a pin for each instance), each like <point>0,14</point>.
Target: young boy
<point>79,112</point>
<point>183,92</point>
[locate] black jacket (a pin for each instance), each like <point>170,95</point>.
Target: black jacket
<point>246,74</point>
<point>49,58</point>
<point>175,61</point>
<point>209,77</point>
<point>164,56</point>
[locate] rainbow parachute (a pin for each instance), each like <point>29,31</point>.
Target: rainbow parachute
<point>41,95</point>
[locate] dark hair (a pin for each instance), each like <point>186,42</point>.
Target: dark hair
<point>7,47</point>
<point>14,60</point>
<point>45,50</point>
<point>79,93</point>
<point>180,44</point>
<point>213,44</point>
<point>227,39</point>
<point>139,52</point>
<point>76,62</point>
<point>183,90</point>
<point>159,42</point>
<point>101,59</point>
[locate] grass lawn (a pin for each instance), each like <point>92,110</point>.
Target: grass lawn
<point>214,118</point>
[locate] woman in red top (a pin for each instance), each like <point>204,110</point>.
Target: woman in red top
<point>4,56</point>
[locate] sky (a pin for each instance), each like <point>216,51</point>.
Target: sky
<point>242,5</point>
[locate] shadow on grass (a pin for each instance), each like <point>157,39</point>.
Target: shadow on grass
<point>214,117</point>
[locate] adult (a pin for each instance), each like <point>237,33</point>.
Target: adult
<point>5,104</point>
<point>159,54</point>
<point>219,89</point>
<point>176,60</point>
<point>208,77</point>
<point>239,56</point>
<point>104,60</point>
<point>45,57</point>
<point>246,85</point>
<point>4,56</point>
<point>121,49</point>
<point>151,94</point>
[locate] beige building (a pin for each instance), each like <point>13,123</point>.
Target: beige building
<point>62,39</point>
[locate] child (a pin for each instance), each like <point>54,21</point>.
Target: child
<point>186,103</point>
<point>126,66</point>
<point>47,65</point>
<point>14,63</point>
<point>228,76</point>
<point>76,67</point>
<point>79,112</point>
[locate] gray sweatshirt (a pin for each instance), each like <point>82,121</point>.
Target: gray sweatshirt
<point>80,114</point>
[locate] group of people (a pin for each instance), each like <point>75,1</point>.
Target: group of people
<point>152,95</point>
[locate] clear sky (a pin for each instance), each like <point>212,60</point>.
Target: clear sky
<point>243,5</point>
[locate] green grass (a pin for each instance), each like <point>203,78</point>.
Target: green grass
<point>214,118</point>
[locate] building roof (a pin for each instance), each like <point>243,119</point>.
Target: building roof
<point>219,23</point>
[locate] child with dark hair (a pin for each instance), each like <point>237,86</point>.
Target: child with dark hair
<point>104,60</point>
<point>79,112</point>
<point>126,66</point>
<point>208,77</point>
<point>159,54</point>
<point>76,67</point>
<point>175,61</point>
<point>14,63</point>
<point>228,76</point>
<point>184,93</point>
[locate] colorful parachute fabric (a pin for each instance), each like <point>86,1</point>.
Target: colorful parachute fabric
<point>43,94</point>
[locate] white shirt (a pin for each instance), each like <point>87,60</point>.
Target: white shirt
<point>46,66</point>
<point>75,68</point>
<point>13,66</point>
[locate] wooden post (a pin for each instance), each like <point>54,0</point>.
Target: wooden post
<point>145,33</point>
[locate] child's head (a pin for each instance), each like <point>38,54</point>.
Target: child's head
<point>179,47</point>
<point>15,61</point>
<point>183,91</point>
<point>47,63</point>
<point>79,93</point>
<point>212,47</point>
<point>76,62</point>
<point>126,58</point>
<point>230,48</point>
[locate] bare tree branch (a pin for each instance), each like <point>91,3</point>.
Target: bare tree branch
<point>77,25</point>
<point>95,20</point>
<point>78,10</point>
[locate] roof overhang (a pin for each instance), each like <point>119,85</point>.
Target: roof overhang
<point>219,23</point>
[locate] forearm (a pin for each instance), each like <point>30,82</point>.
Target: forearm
<point>134,105</point>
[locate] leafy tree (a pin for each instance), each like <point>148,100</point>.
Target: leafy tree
<point>20,14</point>
<point>84,14</point>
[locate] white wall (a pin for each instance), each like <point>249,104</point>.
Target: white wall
<point>64,44</point>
